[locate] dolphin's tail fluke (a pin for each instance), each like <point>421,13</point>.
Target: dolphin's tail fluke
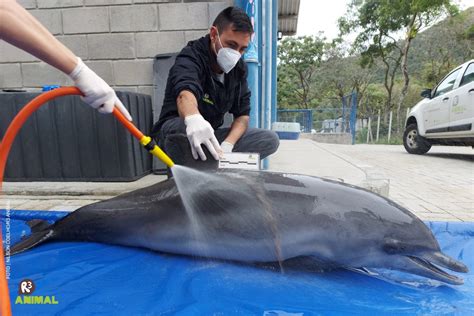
<point>41,231</point>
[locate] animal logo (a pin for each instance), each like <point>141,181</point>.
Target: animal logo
<point>26,287</point>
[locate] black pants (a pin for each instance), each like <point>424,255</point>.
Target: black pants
<point>254,140</point>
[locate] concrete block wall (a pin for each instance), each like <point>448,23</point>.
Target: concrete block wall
<point>116,38</point>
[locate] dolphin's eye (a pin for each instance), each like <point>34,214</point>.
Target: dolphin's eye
<point>393,246</point>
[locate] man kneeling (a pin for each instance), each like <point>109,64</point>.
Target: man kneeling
<point>209,79</point>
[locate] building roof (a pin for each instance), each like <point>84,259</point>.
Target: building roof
<point>288,16</point>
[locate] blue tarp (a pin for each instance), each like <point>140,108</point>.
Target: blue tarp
<point>98,279</point>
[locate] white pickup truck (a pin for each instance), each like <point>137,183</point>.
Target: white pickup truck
<point>446,114</point>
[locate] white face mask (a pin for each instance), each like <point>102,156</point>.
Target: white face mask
<point>227,57</point>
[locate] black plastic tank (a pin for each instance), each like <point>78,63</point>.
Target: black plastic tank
<point>66,140</point>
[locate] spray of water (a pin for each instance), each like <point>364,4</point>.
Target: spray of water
<point>189,181</point>
<point>213,201</point>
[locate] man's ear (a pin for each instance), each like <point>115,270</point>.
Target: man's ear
<point>213,33</point>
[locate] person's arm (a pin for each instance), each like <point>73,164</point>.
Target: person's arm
<point>187,104</point>
<point>237,129</point>
<point>19,28</point>
<point>198,130</point>
<point>184,78</point>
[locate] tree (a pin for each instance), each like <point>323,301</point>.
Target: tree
<point>298,60</point>
<point>344,74</point>
<point>378,22</point>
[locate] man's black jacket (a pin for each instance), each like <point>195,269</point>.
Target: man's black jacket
<point>192,71</point>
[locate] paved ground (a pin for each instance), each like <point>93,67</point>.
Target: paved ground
<point>66,196</point>
<point>308,157</point>
<point>435,186</point>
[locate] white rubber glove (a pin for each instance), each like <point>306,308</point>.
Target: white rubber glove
<point>200,131</point>
<point>227,147</point>
<point>97,93</point>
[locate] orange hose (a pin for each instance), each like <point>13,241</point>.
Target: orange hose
<point>21,118</point>
<point>5,146</point>
<point>128,125</point>
<point>5,308</point>
<point>7,142</point>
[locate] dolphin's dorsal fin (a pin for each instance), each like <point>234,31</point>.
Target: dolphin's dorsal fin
<point>178,148</point>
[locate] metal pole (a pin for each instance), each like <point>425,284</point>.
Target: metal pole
<point>274,33</point>
<point>251,57</point>
<point>353,116</point>
<point>378,127</point>
<point>368,129</point>
<point>390,126</point>
<point>343,129</point>
<point>268,62</point>
<point>263,63</point>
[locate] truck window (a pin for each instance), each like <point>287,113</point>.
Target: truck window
<point>468,75</point>
<point>447,84</point>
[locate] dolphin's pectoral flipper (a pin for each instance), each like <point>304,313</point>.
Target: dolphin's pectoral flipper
<point>363,271</point>
<point>309,264</point>
<point>299,264</point>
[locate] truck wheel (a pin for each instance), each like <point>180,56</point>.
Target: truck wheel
<point>414,143</point>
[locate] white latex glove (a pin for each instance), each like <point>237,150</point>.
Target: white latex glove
<point>227,147</point>
<point>97,93</point>
<point>200,131</point>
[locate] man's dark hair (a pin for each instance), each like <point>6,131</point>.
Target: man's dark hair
<point>235,17</point>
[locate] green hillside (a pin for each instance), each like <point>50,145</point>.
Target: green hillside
<point>315,74</point>
<point>442,47</point>
<point>307,83</point>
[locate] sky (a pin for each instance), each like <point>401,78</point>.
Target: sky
<point>314,17</point>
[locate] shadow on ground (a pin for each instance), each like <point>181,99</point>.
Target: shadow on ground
<point>464,157</point>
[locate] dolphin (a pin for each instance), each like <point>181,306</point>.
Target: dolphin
<point>258,217</point>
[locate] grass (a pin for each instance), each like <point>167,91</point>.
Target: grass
<point>395,139</point>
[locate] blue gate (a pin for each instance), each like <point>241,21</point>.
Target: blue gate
<point>304,117</point>
<point>341,119</point>
<point>349,114</point>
